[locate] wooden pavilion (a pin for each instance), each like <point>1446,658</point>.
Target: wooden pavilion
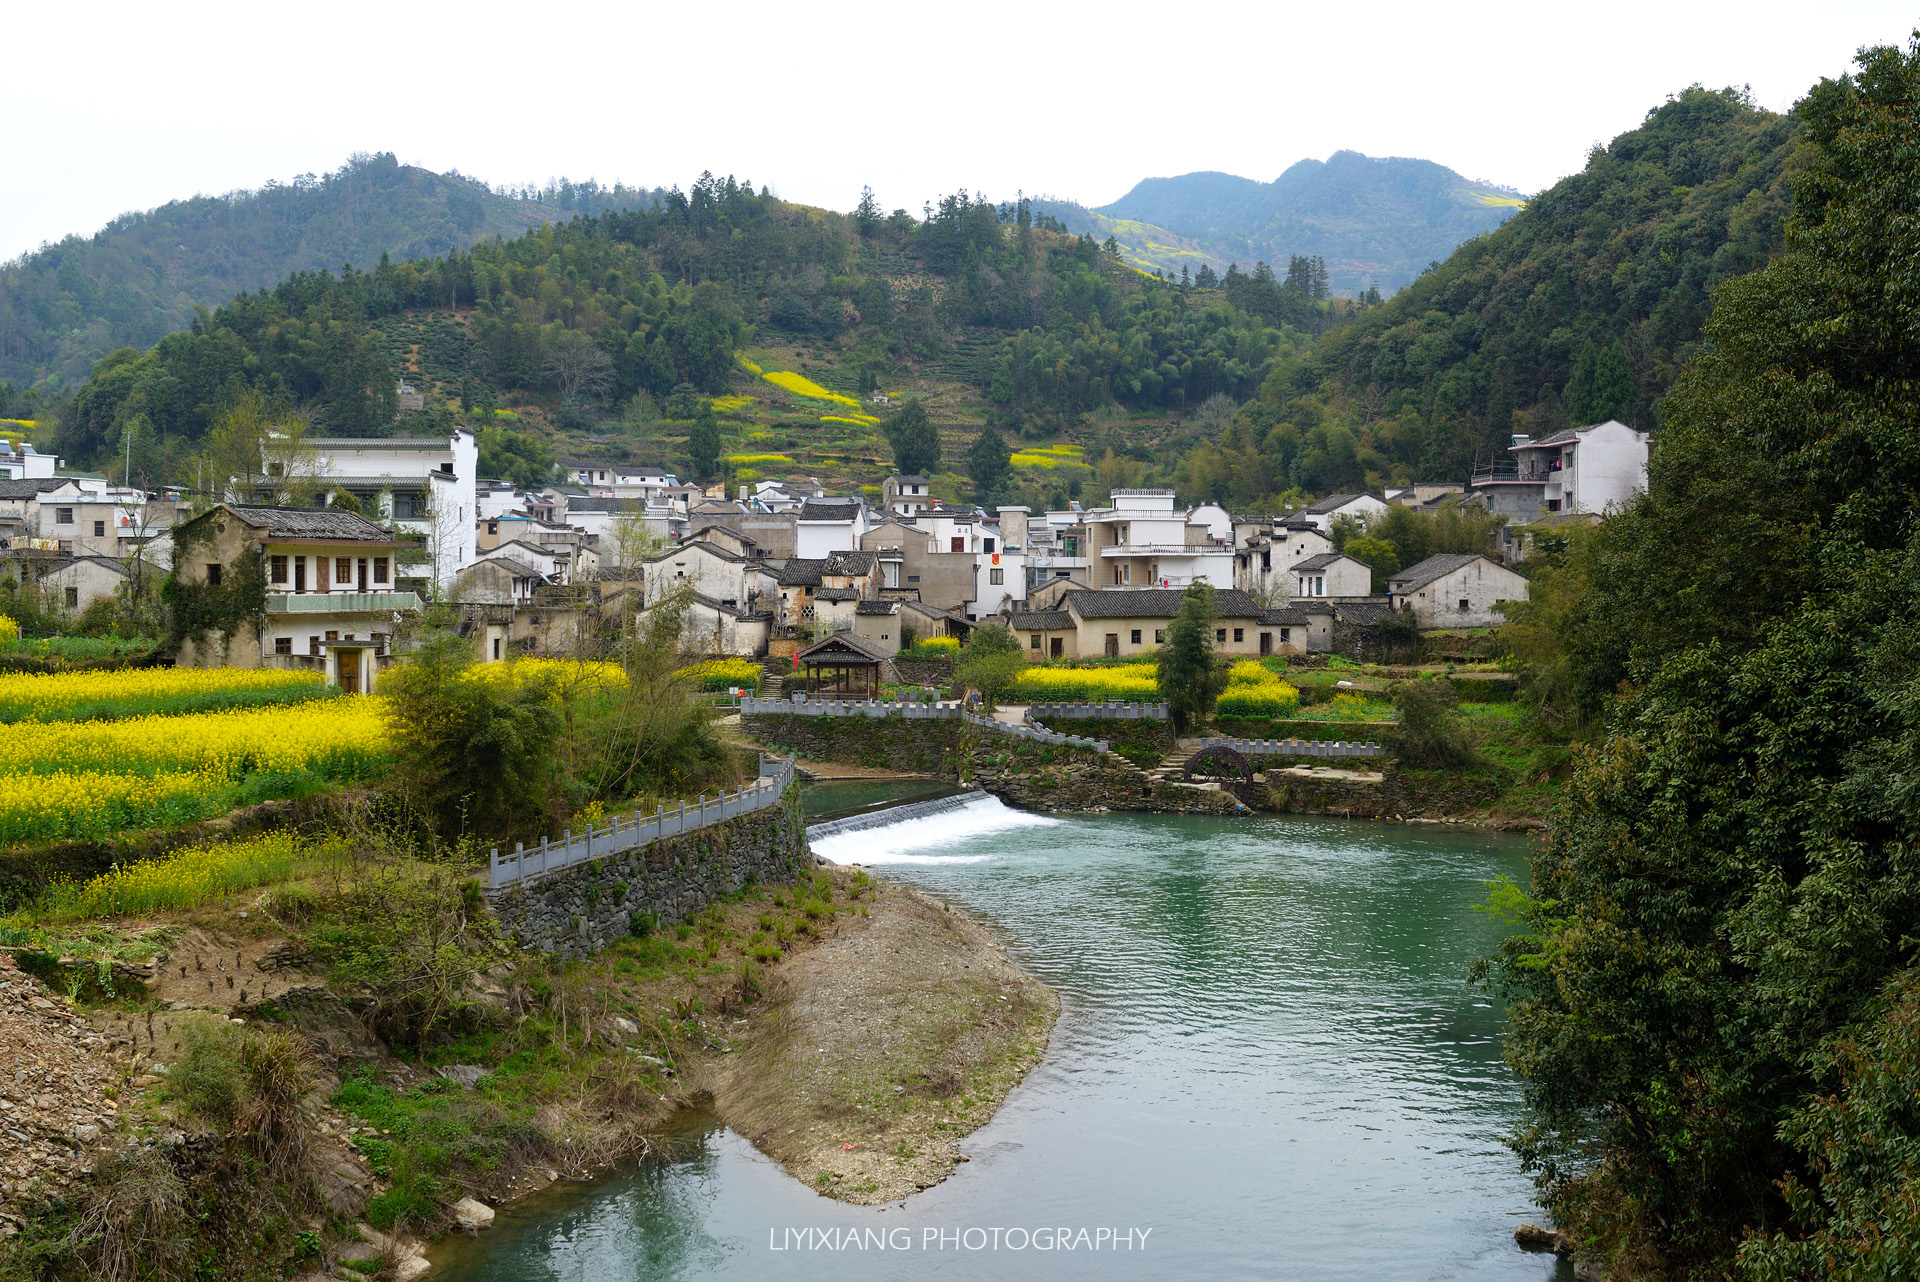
<point>842,667</point>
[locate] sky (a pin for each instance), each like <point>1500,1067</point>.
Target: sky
<point>118,106</point>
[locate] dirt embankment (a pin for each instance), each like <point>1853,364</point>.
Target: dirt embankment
<point>881,1047</point>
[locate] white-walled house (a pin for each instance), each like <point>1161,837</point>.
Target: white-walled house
<point>331,598</point>
<point>1456,590</point>
<point>1359,507</point>
<point>427,486</point>
<point>1263,565</point>
<point>1593,470</point>
<point>825,526</point>
<point>1331,574</point>
<point>1144,541</point>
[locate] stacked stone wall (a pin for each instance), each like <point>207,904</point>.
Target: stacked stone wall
<point>582,909</point>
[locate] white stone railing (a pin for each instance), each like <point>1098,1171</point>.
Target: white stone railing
<point>1295,747</point>
<point>527,863</point>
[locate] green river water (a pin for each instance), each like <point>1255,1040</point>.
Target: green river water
<point>1269,1064</point>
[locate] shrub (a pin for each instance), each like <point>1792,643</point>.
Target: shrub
<point>1430,733</point>
<point>207,1076</point>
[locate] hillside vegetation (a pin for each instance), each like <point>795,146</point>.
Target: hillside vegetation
<point>65,306</point>
<point>612,335</point>
<point>1580,308</point>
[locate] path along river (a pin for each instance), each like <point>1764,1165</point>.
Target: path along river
<point>1269,1064</point>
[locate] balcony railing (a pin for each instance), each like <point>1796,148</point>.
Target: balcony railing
<point>1514,476</point>
<point>341,602</point>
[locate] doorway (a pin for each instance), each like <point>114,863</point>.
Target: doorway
<point>1055,647</point>
<point>1113,645</point>
<point>349,661</point>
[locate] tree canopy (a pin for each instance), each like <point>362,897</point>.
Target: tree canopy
<point>1715,988</point>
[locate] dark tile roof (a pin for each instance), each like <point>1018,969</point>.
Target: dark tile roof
<point>1561,437</point>
<point>1151,603</point>
<point>837,594</point>
<point>918,480</point>
<point>853,563</point>
<point>309,523</point>
<point>1363,614</point>
<point>1418,575</point>
<point>704,547</point>
<point>800,572</point>
<point>727,530</point>
<point>847,644</point>
<point>737,612</point>
<point>29,488</point>
<point>379,442</point>
<point>1332,502</point>
<point>1322,561</point>
<point>1041,621</point>
<point>828,510</point>
<point>1285,617</point>
<point>877,607</point>
<point>605,505</point>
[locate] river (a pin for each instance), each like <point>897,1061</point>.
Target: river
<point>1269,1064</point>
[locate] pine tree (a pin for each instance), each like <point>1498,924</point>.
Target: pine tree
<point>866,215</point>
<point>703,442</point>
<point>1322,289</point>
<point>988,463</point>
<point>915,440</point>
<point>1189,681</point>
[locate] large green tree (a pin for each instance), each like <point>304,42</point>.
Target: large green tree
<point>1715,986</point>
<point>915,440</point>
<point>1190,681</point>
<point>989,464</point>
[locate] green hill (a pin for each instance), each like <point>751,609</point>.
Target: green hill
<point>1375,221</point>
<point>65,306</point>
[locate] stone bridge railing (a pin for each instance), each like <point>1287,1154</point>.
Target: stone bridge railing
<point>529,862</point>
<point>1033,734</point>
<point>1099,711</point>
<point>754,706</point>
<point>1295,747</point>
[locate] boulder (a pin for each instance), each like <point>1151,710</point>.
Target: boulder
<point>465,1074</point>
<point>472,1215</point>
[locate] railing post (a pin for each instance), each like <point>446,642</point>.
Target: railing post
<point>519,860</point>
<point>493,866</point>
<point>543,855</point>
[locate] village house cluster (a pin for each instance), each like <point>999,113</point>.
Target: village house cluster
<point>772,567</point>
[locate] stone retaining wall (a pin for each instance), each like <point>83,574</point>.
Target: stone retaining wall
<point>1363,793</point>
<point>917,746</point>
<point>580,910</point>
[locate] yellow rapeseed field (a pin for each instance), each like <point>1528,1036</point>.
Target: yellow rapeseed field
<point>1128,683</point>
<point>338,738</point>
<point>570,676</point>
<point>184,879</point>
<point>94,804</point>
<point>801,385</point>
<point>127,692</point>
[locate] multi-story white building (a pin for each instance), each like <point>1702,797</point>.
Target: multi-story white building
<point>1592,470</point>
<point>427,486</point>
<point>26,463</point>
<point>1144,541</point>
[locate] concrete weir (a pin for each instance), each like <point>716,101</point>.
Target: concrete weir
<point>892,815</point>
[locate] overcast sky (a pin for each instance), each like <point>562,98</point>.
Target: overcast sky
<point>111,107</point>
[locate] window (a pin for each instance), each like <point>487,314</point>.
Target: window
<point>99,529</point>
<point>996,576</point>
<point>213,574</point>
<point>379,569</point>
<point>276,569</point>
<point>1463,605</point>
<point>986,545</point>
<point>299,574</point>
<point>362,563</point>
<point>1136,636</point>
<point>332,635</point>
<point>496,647</point>
<point>913,578</point>
<point>1286,636</point>
<point>1033,641</point>
<point>1219,635</point>
<point>283,645</point>
<point>1126,574</point>
<point>63,516</point>
<point>1266,560</point>
<point>959,543</point>
<point>1239,635</point>
<point>1159,636</point>
<point>343,571</point>
<point>313,645</point>
<point>73,598</point>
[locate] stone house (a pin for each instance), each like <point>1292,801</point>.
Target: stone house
<point>1456,590</point>
<point>877,622</point>
<point>1331,574</point>
<point>716,571</point>
<point>323,584</point>
<point>1120,622</point>
<point>1593,469</point>
<point>906,495</point>
<point>1263,564</point>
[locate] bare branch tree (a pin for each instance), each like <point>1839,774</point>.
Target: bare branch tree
<point>578,368</point>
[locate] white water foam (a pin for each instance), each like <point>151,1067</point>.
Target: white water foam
<point>907,841</point>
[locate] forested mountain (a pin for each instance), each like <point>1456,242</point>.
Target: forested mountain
<point>1580,308</point>
<point>65,306</point>
<point>613,325</point>
<point>1376,221</point>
